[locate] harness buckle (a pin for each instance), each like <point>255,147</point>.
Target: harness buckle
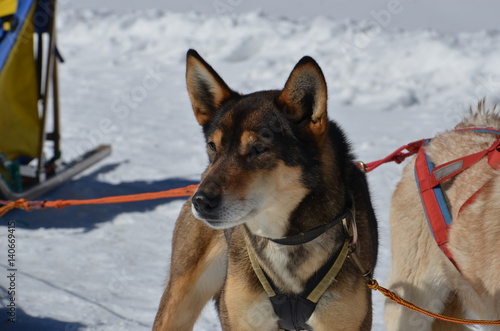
<point>352,232</point>
<point>361,166</point>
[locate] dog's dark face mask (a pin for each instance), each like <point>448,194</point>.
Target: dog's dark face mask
<point>263,147</point>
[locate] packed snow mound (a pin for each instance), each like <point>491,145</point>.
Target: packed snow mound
<point>103,267</point>
<point>364,61</point>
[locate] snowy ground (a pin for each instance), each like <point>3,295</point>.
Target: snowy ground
<point>103,267</point>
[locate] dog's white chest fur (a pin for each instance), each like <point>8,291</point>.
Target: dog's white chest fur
<point>280,259</point>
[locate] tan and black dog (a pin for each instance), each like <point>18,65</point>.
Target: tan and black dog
<point>421,272</point>
<point>280,191</point>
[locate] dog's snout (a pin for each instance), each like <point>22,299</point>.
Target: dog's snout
<point>205,202</point>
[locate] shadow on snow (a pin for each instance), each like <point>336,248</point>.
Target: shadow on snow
<point>25,322</point>
<point>90,187</point>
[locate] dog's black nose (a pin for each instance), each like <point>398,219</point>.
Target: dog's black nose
<point>205,203</point>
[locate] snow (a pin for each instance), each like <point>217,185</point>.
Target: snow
<point>103,267</point>
<point>445,15</point>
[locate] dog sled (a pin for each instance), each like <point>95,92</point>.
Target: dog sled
<point>31,162</point>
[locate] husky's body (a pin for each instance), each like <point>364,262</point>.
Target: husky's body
<point>278,168</point>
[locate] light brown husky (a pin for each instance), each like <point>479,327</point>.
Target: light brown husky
<point>421,273</point>
<point>278,192</point>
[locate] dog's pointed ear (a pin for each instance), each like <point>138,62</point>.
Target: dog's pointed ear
<point>305,95</point>
<point>206,88</point>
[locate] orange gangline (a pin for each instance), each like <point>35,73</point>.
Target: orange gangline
<point>31,205</point>
<point>396,298</point>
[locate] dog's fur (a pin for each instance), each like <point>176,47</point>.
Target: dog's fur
<point>278,167</point>
<point>421,273</point>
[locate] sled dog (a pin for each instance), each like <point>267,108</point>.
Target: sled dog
<point>466,284</point>
<point>266,232</point>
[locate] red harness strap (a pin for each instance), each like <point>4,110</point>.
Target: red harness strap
<point>429,178</point>
<point>435,208</point>
<point>397,156</point>
<point>450,169</point>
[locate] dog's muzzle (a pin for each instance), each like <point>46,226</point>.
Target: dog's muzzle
<point>206,204</point>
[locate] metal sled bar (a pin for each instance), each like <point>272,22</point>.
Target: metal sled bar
<point>46,81</point>
<point>76,167</point>
<point>56,133</point>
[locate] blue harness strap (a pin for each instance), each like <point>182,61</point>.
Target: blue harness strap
<point>434,204</point>
<point>429,178</point>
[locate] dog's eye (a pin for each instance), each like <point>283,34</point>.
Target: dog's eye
<point>258,150</point>
<point>212,146</point>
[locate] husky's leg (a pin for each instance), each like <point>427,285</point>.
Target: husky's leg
<point>421,292</point>
<point>437,298</point>
<point>197,273</point>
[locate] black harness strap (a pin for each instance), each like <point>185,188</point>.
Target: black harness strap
<point>294,310</point>
<point>310,235</point>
